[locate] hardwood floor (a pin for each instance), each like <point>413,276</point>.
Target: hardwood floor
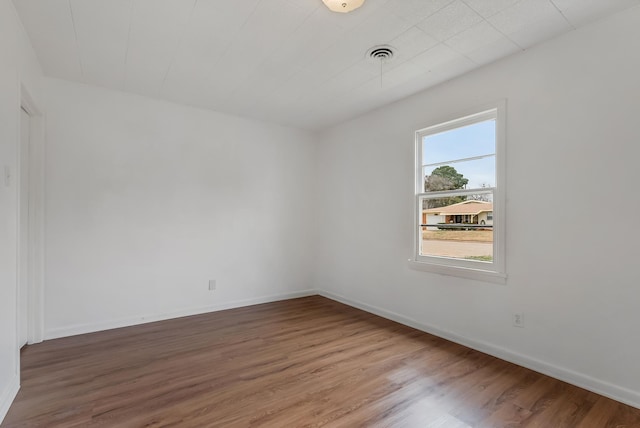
<point>308,362</point>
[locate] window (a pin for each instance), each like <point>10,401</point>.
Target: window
<point>459,189</point>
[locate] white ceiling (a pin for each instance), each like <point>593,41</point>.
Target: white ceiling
<point>291,62</point>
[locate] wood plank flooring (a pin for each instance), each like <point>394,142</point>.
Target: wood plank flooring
<point>308,362</point>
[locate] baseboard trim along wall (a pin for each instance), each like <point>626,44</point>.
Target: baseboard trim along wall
<point>624,395</point>
<point>8,395</point>
<point>606,389</point>
<point>127,322</point>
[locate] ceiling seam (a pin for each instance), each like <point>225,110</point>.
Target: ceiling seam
<point>563,15</point>
<point>330,77</point>
<point>345,76</point>
<point>402,32</point>
<point>492,26</point>
<point>274,51</point>
<point>75,33</point>
<point>126,53</point>
<point>179,44</point>
<point>240,29</point>
<point>355,63</point>
<point>421,52</point>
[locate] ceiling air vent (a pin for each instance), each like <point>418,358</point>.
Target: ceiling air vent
<point>382,53</point>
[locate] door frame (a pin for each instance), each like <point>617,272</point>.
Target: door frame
<point>35,262</point>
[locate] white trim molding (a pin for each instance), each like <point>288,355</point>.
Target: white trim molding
<point>615,392</point>
<point>488,271</point>
<point>127,322</point>
<point>35,333</point>
<point>8,395</point>
<point>462,272</point>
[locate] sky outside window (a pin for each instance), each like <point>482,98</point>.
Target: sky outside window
<point>469,141</point>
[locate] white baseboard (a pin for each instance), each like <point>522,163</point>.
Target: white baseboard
<point>624,395</point>
<point>8,395</point>
<point>127,322</point>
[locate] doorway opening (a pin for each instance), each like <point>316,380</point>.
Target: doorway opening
<point>30,219</point>
<point>23,229</point>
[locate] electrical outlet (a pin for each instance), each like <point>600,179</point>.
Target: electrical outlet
<point>212,284</point>
<point>518,320</point>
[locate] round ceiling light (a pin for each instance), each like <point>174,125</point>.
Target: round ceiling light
<point>343,6</point>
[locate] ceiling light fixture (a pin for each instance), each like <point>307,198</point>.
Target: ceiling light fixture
<point>343,6</point>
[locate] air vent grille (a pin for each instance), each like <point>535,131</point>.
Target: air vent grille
<point>381,53</point>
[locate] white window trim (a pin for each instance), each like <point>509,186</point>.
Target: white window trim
<point>481,271</point>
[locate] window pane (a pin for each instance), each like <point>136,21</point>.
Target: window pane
<point>473,174</point>
<point>458,227</point>
<point>468,141</point>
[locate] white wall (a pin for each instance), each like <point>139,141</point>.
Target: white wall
<point>147,200</point>
<point>573,146</point>
<point>18,65</point>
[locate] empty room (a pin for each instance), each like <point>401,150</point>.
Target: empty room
<point>319,213</point>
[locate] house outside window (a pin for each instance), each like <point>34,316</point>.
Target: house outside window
<point>459,188</point>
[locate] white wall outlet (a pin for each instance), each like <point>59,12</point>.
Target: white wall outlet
<point>212,284</point>
<point>518,319</point>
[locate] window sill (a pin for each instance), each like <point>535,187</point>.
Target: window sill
<point>461,272</point>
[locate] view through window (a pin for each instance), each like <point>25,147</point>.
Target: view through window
<point>458,180</point>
